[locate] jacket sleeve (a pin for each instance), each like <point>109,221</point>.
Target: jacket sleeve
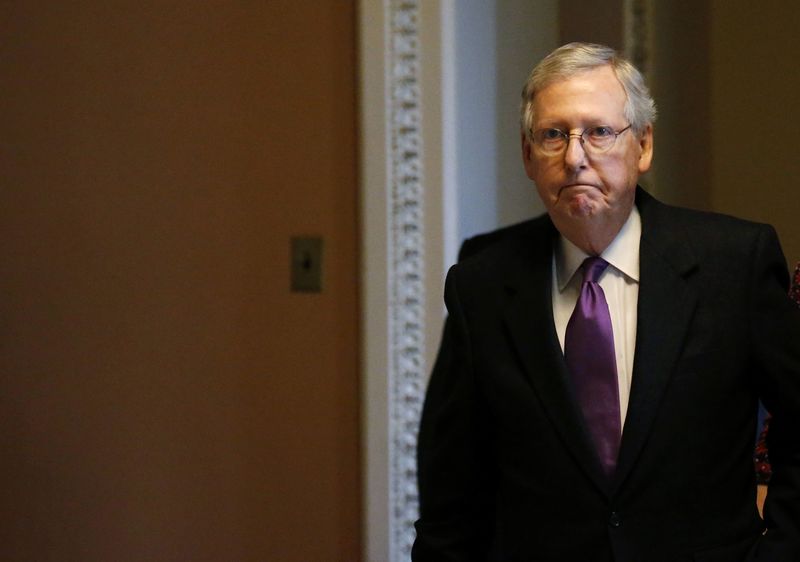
<point>454,475</point>
<point>775,329</point>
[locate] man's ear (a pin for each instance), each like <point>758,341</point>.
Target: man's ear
<point>527,155</point>
<point>646,149</point>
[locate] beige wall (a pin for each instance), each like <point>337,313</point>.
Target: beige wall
<point>755,112</point>
<point>680,81</point>
<point>722,69</point>
<point>162,394</point>
<point>591,21</point>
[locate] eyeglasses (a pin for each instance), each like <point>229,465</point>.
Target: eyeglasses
<point>594,140</point>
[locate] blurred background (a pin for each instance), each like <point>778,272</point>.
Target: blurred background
<point>164,395</point>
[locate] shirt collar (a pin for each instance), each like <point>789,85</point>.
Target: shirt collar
<point>622,253</point>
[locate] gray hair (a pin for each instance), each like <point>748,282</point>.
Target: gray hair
<point>574,58</point>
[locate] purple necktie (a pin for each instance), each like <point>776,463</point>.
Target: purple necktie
<point>589,352</point>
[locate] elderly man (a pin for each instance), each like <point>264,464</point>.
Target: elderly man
<point>596,390</point>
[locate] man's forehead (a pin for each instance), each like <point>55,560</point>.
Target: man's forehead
<point>596,90</point>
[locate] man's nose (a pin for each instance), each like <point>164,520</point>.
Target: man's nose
<point>575,154</point>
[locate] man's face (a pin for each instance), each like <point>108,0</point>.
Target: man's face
<point>575,186</point>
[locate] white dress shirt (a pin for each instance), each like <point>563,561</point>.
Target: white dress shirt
<point>620,283</point>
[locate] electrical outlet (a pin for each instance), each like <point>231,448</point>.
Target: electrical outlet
<point>306,266</point>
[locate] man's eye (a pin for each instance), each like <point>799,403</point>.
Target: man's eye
<point>552,134</point>
<point>601,132</point>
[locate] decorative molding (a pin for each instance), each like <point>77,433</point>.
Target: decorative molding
<point>638,25</point>
<point>407,366</point>
<point>638,34</point>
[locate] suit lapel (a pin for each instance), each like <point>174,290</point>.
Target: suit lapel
<point>666,305</point>
<point>529,318</point>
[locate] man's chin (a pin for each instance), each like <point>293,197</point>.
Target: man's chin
<point>580,206</point>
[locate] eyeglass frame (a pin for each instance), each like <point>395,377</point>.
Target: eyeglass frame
<point>567,136</point>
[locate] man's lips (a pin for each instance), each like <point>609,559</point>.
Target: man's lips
<point>579,186</point>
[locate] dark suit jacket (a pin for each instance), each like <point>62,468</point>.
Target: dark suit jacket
<point>506,468</point>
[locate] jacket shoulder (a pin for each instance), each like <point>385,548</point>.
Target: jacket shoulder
<point>504,239</point>
<point>700,229</point>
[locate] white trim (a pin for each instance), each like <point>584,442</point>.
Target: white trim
<point>407,365</point>
<point>401,253</point>
<point>374,240</point>
<point>450,214</point>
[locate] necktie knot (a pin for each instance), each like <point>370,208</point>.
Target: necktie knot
<point>593,268</point>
